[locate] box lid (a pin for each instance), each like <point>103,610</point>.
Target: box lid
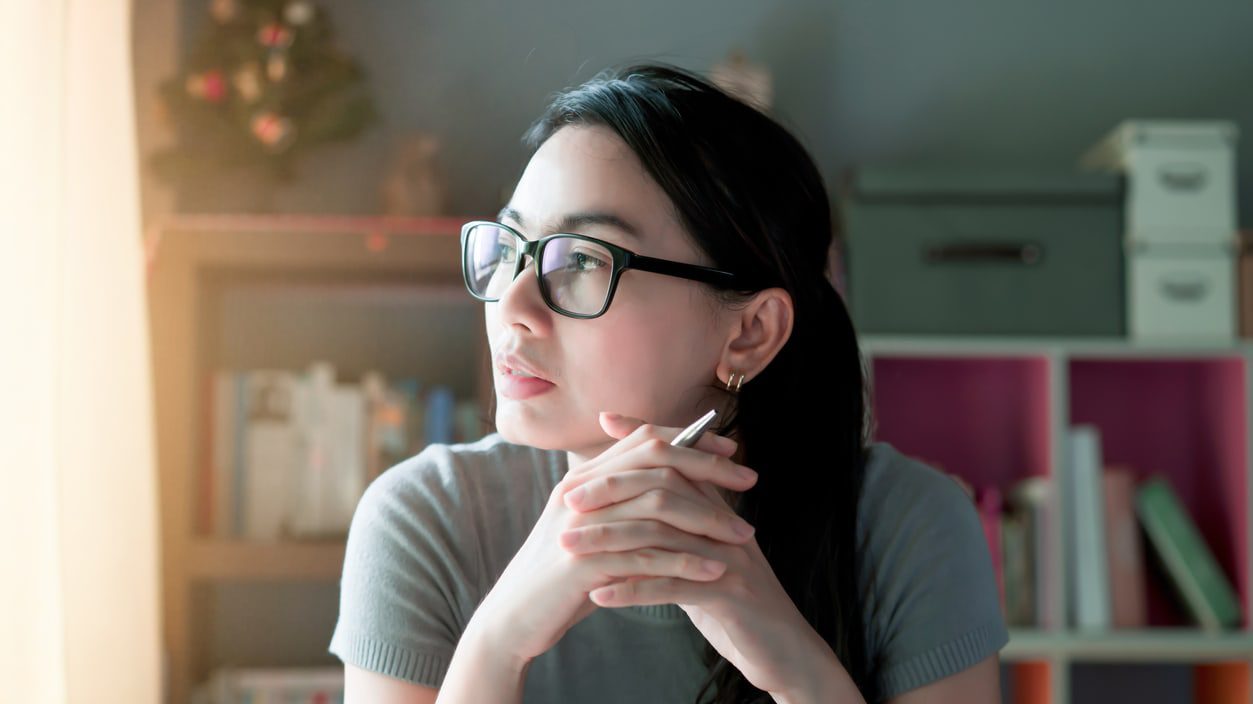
<point>956,184</point>
<point>1111,152</point>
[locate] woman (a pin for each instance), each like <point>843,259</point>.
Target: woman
<point>665,252</point>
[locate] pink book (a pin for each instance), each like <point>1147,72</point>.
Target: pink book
<point>1127,578</point>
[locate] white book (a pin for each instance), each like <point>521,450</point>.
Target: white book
<point>1089,573</point>
<point>270,452</point>
<point>347,466</point>
<point>306,516</point>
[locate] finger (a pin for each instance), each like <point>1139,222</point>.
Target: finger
<point>596,491</point>
<point>620,426</point>
<point>655,590</point>
<point>654,563</point>
<point>696,517</point>
<point>641,432</point>
<point>624,536</point>
<point>695,466</point>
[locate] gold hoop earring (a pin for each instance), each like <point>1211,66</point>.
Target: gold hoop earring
<point>733,385</point>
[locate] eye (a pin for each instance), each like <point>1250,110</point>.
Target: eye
<point>583,261</point>
<point>508,252</point>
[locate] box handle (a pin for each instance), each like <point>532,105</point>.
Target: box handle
<point>994,252</point>
<point>1182,286</point>
<point>1182,176</point>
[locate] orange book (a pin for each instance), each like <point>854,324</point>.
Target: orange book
<point>1222,683</point>
<point>1030,683</point>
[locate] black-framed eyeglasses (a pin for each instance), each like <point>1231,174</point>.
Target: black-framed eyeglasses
<point>577,274</point>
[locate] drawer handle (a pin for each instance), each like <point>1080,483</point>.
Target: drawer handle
<point>1184,288</point>
<point>1182,176</point>
<point>1028,253</point>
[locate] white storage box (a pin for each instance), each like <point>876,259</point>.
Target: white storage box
<point>1180,178</point>
<point>1181,292</point>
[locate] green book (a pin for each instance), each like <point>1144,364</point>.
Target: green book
<point>1206,591</point>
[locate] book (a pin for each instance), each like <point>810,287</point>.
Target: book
<point>270,457</point>
<point>1222,683</point>
<point>1033,499</point>
<point>440,411</point>
<point>1085,526</point>
<point>1205,590</point>
<point>312,480</point>
<point>1019,606</point>
<point>1127,578</point>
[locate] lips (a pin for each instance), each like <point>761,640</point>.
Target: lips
<point>507,363</point>
<point>519,380</point>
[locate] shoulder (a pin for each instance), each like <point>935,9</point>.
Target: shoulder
<point>932,601</point>
<point>897,487</point>
<point>445,474</point>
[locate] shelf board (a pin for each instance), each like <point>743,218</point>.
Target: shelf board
<point>448,225</point>
<point>226,560</point>
<point>942,345</point>
<point>1149,645</point>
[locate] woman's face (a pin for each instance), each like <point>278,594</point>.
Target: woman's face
<point>654,352</point>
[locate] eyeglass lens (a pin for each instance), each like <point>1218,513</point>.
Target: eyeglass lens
<point>575,273</point>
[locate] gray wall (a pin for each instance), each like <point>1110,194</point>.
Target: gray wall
<point>859,80</point>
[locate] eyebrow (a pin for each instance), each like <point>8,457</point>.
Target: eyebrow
<point>573,222</point>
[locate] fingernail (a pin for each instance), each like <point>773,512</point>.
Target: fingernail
<point>711,566</point>
<point>742,528</point>
<point>577,495</point>
<point>745,473</point>
<point>570,539</point>
<point>612,416</point>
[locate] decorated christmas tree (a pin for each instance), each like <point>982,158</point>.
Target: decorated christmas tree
<point>263,85</point>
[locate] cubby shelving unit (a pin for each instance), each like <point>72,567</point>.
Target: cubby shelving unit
<point>996,410</point>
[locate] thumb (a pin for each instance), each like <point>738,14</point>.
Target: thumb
<point>618,426</point>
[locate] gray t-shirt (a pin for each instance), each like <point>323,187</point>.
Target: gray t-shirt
<point>432,535</point>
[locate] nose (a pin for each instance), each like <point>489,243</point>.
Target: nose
<point>521,302</point>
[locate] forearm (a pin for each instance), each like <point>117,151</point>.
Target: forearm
<point>829,682</point>
<point>478,673</point>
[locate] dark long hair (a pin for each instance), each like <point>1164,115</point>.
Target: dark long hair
<point>752,199</point>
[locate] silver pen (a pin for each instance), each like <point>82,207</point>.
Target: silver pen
<point>692,433</point>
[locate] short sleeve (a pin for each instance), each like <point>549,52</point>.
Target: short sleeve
<point>410,568</point>
<point>934,608</point>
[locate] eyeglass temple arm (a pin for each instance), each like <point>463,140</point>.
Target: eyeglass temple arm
<point>694,272</point>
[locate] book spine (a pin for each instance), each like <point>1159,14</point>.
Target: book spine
<point>1090,577</point>
<point>1127,578</point>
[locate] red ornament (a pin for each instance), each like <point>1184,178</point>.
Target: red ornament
<point>275,35</point>
<point>274,131</point>
<point>214,86</point>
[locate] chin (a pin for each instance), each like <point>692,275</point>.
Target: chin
<point>544,433</point>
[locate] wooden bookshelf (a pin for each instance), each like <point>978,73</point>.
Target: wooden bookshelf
<point>996,410</point>
<point>218,281</point>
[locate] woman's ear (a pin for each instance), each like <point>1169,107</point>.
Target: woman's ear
<point>759,331</point>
